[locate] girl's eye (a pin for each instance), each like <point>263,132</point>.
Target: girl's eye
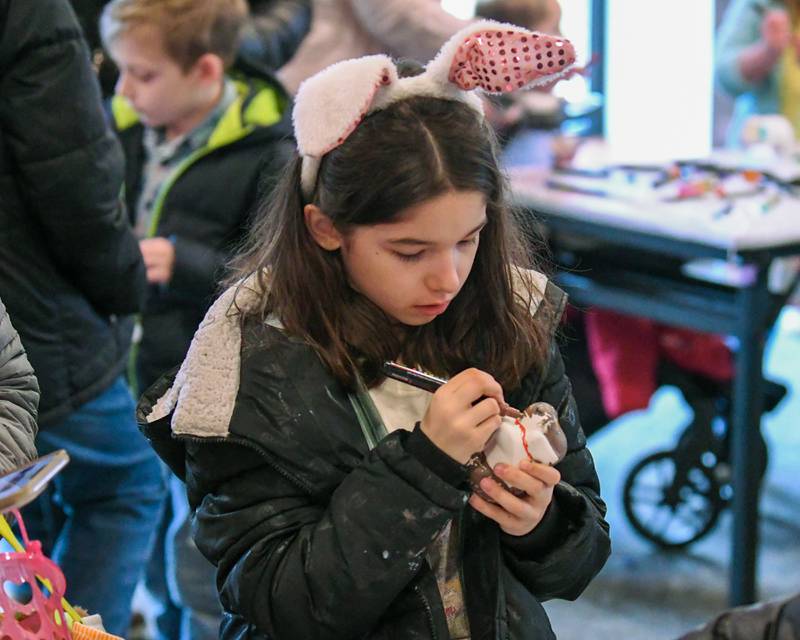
<point>469,241</point>
<point>409,257</point>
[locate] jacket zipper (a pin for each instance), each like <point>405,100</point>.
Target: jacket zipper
<point>461,519</point>
<point>163,192</point>
<point>428,611</point>
<point>460,541</point>
<point>373,430</point>
<point>158,209</point>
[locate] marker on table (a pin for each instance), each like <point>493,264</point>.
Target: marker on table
<point>723,211</point>
<point>667,175</point>
<point>562,186</point>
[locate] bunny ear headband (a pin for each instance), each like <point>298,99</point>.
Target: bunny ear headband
<point>486,55</point>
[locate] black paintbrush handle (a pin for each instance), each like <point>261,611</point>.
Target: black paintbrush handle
<point>431,383</point>
<point>412,376</point>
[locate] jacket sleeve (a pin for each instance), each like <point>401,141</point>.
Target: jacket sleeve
<point>68,162</point>
<point>560,557</point>
<point>19,399</point>
<point>324,568</point>
<point>740,28</point>
<point>414,29</point>
<point>198,267</point>
<point>275,30</point>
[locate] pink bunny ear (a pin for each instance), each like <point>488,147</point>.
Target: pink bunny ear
<point>499,57</point>
<point>332,103</point>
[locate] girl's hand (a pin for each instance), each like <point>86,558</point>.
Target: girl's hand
<point>456,422</point>
<point>518,516</point>
<point>776,29</point>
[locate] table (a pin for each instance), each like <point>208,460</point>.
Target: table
<point>745,310</point>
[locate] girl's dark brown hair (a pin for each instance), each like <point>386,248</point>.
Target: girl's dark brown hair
<point>413,150</point>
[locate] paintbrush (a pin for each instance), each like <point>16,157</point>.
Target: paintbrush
<point>430,383</point>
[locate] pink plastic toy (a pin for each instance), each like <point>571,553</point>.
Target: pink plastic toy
<point>42,618</point>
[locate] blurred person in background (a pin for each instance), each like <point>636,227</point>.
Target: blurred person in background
<point>758,63</point>
<point>71,274</point>
<point>758,60</point>
<point>537,15</point>
<point>536,108</point>
<point>342,29</point>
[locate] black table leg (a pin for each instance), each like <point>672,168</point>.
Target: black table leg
<point>752,306</point>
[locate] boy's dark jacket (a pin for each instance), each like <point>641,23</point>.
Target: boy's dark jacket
<point>285,490</point>
<point>205,209</point>
<point>70,266</point>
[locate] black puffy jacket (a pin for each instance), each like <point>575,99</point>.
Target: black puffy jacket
<point>70,267</point>
<point>317,536</point>
<point>204,207</point>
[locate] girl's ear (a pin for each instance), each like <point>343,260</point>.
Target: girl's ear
<point>321,228</point>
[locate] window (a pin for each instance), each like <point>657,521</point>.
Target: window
<point>460,8</point>
<point>658,66</point>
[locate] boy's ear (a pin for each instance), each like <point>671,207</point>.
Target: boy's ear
<point>209,67</point>
<point>321,228</point>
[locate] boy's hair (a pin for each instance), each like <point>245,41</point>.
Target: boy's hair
<point>413,150</point>
<point>189,28</point>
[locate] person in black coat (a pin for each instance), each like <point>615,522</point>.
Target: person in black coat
<point>71,275</point>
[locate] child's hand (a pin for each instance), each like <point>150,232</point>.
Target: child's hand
<point>458,424</point>
<point>159,259</point>
<point>776,29</point>
<point>518,516</point>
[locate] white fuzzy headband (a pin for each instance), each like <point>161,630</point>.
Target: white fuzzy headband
<point>487,55</point>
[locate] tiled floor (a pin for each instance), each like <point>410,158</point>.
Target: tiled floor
<point>646,593</point>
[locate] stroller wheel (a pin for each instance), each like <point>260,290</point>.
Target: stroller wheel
<point>669,510</point>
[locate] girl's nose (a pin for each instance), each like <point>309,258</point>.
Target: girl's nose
<point>444,278</point>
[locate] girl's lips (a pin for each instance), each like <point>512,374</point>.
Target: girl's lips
<point>432,309</point>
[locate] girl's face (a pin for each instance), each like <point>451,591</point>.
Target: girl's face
<point>414,266</point>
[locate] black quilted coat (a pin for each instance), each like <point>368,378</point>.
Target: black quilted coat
<point>317,536</point>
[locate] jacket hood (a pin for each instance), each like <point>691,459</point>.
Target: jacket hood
<point>260,103</point>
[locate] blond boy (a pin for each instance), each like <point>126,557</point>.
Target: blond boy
<point>198,142</point>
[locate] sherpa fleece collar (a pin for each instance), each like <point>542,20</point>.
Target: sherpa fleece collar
<point>203,395</point>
